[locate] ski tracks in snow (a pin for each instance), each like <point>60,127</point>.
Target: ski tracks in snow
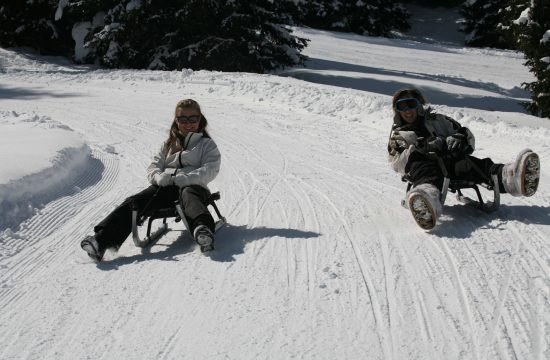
<point>489,274</point>
<point>40,250</point>
<point>473,330</point>
<point>96,180</point>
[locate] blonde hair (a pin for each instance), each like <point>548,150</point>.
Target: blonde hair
<point>186,104</point>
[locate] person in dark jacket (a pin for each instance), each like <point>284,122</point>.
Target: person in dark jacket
<point>420,136</point>
<point>184,165</point>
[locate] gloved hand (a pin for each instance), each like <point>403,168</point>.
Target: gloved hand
<point>397,144</point>
<point>164,179</point>
<point>436,145</point>
<point>456,143</point>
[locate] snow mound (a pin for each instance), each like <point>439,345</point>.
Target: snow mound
<point>57,156</point>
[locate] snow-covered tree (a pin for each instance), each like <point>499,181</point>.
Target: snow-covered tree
<point>366,17</point>
<point>32,24</point>
<point>532,29</point>
<point>483,23</point>
<point>509,12</point>
<point>227,35</point>
<point>436,3</point>
<point>375,17</point>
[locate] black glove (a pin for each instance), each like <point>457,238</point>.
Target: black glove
<point>458,145</point>
<point>436,145</point>
<point>456,142</point>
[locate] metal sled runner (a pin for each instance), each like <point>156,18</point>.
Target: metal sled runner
<point>176,212</point>
<point>457,185</point>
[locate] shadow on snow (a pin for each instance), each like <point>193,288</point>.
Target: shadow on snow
<point>460,221</point>
<point>504,99</point>
<point>27,94</point>
<point>230,241</point>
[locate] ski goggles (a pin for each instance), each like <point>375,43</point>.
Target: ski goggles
<point>407,104</point>
<point>191,119</point>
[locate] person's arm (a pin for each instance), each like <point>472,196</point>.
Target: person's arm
<point>157,166</point>
<point>398,161</point>
<point>209,169</point>
<point>400,146</point>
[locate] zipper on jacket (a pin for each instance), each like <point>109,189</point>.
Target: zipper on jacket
<point>185,145</point>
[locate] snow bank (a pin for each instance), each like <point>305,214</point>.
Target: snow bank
<point>39,158</point>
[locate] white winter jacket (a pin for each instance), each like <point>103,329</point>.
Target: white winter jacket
<point>436,124</point>
<point>197,164</point>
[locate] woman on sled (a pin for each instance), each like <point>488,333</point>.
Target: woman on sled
<point>186,162</point>
<point>421,140</point>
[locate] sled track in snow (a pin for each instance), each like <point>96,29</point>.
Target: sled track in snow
<point>497,314</point>
<point>56,212</point>
<point>462,295</point>
<point>365,274</point>
<point>423,297</point>
<point>60,211</point>
<point>279,179</point>
<point>500,328</point>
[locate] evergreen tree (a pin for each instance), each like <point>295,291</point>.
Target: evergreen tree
<point>510,11</point>
<point>317,14</point>
<point>226,35</point>
<point>374,17</point>
<point>365,17</point>
<point>87,18</point>
<point>532,29</point>
<point>483,24</point>
<point>32,24</point>
<point>437,3</point>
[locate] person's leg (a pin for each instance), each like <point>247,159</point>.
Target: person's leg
<point>115,228</point>
<point>201,224</point>
<point>424,199</point>
<point>479,171</point>
<point>422,170</point>
<point>194,203</point>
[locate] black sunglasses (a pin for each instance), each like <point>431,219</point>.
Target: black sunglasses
<point>191,119</point>
<point>407,104</point>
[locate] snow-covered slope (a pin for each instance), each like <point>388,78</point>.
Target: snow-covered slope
<point>319,260</point>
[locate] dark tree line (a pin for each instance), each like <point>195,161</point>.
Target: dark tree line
<point>227,35</point>
<point>156,34</point>
<point>372,17</point>
<point>437,3</point>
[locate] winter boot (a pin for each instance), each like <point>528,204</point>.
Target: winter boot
<point>425,205</point>
<point>521,178</point>
<point>90,245</point>
<point>204,237</point>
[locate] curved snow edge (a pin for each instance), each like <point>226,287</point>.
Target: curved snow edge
<point>21,198</point>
